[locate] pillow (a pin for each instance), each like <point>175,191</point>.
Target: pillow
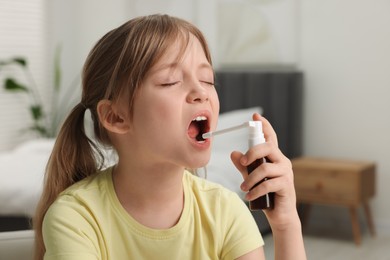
<point>220,169</point>
<point>21,176</point>
<point>42,145</point>
<point>22,173</point>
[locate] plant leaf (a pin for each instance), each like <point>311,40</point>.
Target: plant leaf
<point>12,85</point>
<point>36,112</point>
<point>40,129</point>
<point>21,61</point>
<point>57,69</point>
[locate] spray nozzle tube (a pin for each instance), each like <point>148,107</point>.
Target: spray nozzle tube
<point>255,130</point>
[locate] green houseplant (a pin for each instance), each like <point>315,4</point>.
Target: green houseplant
<point>45,116</point>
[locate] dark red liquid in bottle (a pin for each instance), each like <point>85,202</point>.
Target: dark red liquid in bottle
<point>263,202</point>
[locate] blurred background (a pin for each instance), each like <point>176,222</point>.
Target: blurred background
<point>341,46</point>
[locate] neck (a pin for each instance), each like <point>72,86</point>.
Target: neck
<point>149,190</point>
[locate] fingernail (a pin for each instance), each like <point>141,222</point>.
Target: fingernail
<point>243,160</point>
<point>243,187</point>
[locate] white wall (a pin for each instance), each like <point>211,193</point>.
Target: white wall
<point>345,55</point>
<point>343,47</point>
<point>77,25</point>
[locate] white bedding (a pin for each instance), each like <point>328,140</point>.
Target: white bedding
<point>21,177</point>
<point>22,170</point>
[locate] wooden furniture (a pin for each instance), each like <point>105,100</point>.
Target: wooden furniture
<point>336,182</point>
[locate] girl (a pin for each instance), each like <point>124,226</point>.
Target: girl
<point>149,85</point>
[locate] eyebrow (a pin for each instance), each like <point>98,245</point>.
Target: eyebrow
<point>165,66</point>
<point>176,64</point>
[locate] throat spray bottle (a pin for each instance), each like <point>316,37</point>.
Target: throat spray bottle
<point>255,137</point>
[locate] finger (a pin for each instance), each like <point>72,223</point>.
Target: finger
<point>260,190</point>
<point>268,130</point>
<point>281,186</point>
<point>266,170</point>
<point>268,150</point>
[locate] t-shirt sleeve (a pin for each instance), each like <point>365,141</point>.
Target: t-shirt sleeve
<point>68,232</point>
<point>242,234</point>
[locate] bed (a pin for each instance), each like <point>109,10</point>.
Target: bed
<point>275,94</point>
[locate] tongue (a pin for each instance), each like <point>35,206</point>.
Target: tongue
<point>193,130</point>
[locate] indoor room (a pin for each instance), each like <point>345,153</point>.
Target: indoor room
<point>317,70</point>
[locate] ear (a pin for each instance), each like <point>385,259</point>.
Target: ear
<point>112,118</point>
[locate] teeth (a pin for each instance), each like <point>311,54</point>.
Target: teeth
<point>199,118</point>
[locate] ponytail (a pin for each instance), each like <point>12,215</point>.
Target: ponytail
<point>73,158</point>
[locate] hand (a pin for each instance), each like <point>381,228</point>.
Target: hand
<point>279,173</point>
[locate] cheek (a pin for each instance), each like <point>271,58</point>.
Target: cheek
<point>164,114</point>
<point>215,104</point>
<point>150,106</point>
<point>158,116</point>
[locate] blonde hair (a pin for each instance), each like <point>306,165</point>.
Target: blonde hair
<point>115,67</point>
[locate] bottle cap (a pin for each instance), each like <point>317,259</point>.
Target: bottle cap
<point>255,135</point>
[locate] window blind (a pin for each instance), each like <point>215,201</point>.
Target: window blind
<point>23,33</point>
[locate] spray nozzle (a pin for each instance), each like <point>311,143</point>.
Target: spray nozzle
<point>255,130</point>
<point>256,135</point>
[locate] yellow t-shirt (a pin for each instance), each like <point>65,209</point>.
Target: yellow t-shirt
<point>87,221</point>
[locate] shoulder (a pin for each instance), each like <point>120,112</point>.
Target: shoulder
<point>82,198</point>
<point>68,227</point>
<point>72,221</point>
<point>95,185</point>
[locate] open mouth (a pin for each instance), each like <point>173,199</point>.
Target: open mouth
<point>198,126</point>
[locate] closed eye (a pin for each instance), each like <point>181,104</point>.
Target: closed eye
<point>169,84</point>
<point>208,83</point>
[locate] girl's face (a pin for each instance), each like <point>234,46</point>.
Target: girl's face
<point>176,103</point>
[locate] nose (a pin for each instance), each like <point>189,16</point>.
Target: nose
<point>198,93</point>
